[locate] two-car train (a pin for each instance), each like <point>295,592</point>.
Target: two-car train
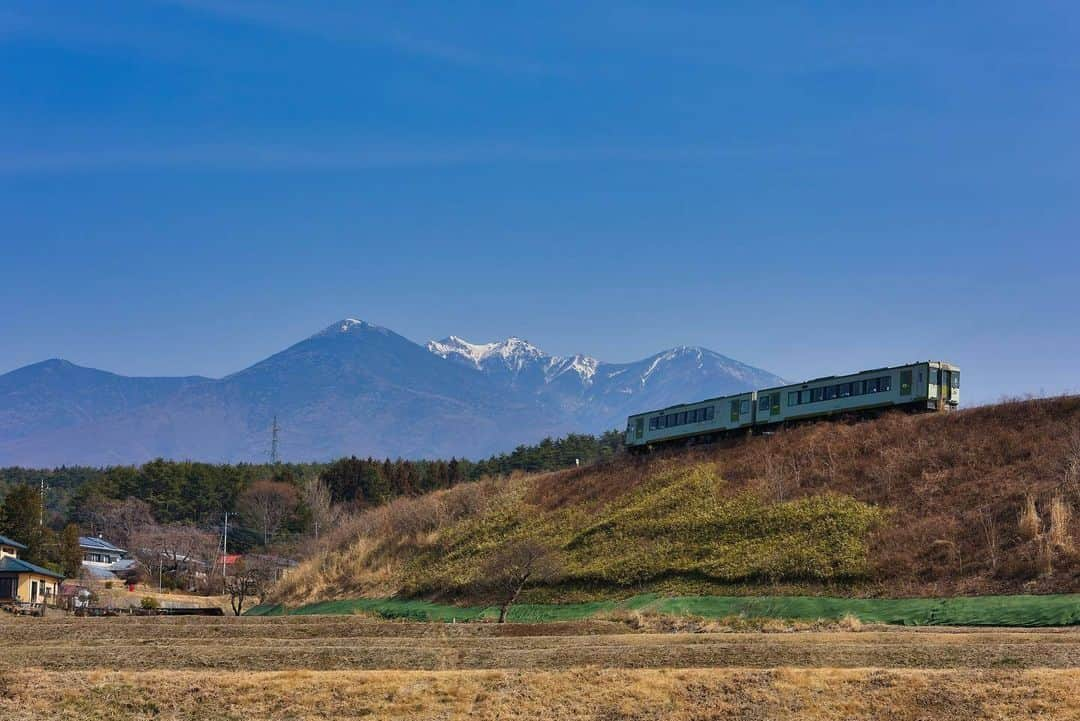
<point>926,386</point>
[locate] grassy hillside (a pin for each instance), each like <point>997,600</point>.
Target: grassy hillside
<point>975,502</point>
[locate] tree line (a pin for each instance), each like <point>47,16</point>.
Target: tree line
<point>268,502</point>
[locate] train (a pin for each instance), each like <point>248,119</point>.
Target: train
<point>922,386</point>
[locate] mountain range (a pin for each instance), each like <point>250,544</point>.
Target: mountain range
<point>352,389</point>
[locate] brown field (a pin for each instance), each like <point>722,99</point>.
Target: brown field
<point>350,667</point>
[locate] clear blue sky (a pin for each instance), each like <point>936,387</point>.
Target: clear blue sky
<point>189,186</point>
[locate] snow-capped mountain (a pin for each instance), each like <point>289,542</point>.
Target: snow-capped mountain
<point>352,388</point>
<point>601,393</point>
<point>517,358</point>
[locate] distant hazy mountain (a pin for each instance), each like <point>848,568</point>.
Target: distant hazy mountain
<point>353,388</point>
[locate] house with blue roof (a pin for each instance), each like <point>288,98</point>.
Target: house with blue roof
<point>22,581</point>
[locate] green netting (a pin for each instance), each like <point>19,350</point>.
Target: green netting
<point>1056,610</point>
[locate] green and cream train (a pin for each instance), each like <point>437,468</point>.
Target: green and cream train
<point>927,386</point>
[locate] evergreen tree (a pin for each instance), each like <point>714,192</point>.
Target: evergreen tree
<point>20,519</point>
<point>70,556</point>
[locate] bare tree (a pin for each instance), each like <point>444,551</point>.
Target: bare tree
<point>250,580</point>
<point>507,572</point>
<point>118,521</point>
<point>317,498</point>
<point>182,553</point>
<point>1072,465</point>
<point>267,505</point>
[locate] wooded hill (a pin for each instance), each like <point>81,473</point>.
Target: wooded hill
<point>972,502</point>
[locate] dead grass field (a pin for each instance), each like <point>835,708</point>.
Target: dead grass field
<point>349,667</point>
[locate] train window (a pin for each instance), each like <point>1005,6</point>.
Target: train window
<point>744,407</point>
<point>763,403</point>
<point>844,390</point>
<point>956,379</point>
<point>653,423</point>
<point>817,395</point>
<point>872,385</point>
<point>670,420</point>
<point>735,411</point>
<point>804,396</point>
<point>857,388</point>
<point>774,410</point>
<point>793,398</point>
<point>710,413</point>
<point>886,384</point>
<point>905,383</point>
<point>831,392</point>
<point>682,419</point>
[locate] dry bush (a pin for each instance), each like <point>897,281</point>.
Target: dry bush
<point>1028,523</point>
<point>1060,535</point>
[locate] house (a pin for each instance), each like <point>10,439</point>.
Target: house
<point>10,548</point>
<point>99,553</point>
<point>22,581</point>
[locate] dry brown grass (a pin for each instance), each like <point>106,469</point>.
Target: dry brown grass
<point>295,668</point>
<point>1060,531</point>
<point>598,694</point>
<point>348,643</point>
<point>1028,523</point>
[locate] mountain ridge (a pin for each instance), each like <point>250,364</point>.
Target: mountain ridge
<point>352,388</point>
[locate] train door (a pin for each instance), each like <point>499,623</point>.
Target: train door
<point>639,428</point>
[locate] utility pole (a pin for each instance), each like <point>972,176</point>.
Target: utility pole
<point>224,551</point>
<point>43,491</point>
<point>274,442</point>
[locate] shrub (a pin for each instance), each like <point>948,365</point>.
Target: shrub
<point>149,603</point>
<point>1027,520</point>
<point>1060,518</point>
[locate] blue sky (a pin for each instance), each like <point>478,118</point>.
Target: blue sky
<point>189,186</point>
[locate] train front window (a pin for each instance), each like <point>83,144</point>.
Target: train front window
<point>956,379</point>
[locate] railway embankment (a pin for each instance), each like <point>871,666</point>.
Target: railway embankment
<point>980,502</point>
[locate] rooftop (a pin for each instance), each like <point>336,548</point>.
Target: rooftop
<point>17,565</point>
<point>98,544</point>
<point>5,541</point>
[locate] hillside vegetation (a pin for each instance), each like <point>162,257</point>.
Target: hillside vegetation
<point>973,502</point>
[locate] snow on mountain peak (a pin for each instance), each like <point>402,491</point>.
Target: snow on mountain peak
<point>514,354</point>
<point>347,325</point>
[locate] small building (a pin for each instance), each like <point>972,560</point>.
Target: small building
<point>10,548</point>
<point>23,582</point>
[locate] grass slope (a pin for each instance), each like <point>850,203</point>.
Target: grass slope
<point>901,506</point>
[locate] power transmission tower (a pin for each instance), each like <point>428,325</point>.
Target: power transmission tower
<point>274,442</point>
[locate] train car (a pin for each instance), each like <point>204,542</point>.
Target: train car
<point>701,421</point>
<point>925,386</point>
<point>932,385</point>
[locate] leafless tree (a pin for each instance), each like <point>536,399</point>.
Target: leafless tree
<point>267,505</point>
<point>1072,465</point>
<point>250,580</point>
<point>118,521</point>
<point>317,498</point>
<point>511,568</point>
<point>181,552</point>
